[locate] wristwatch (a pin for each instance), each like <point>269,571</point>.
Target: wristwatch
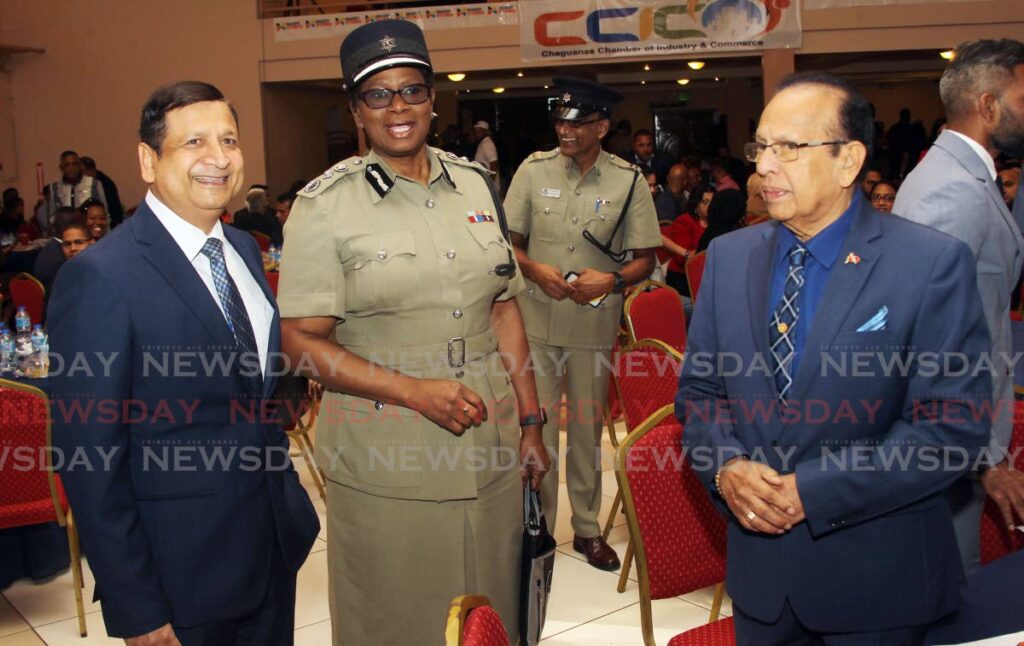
<point>540,417</point>
<point>620,283</point>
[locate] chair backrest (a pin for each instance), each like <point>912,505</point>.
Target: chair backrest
<point>678,535</point>
<point>695,272</point>
<point>28,291</point>
<point>272,279</point>
<point>655,311</point>
<point>30,492</point>
<point>473,622</point>
<point>262,239</point>
<point>996,539</point>
<point>646,375</point>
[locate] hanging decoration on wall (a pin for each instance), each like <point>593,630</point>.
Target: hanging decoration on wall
<point>596,29</point>
<point>338,25</point>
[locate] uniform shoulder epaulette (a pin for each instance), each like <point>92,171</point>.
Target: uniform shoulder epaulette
<point>327,179</point>
<point>622,163</point>
<point>452,158</point>
<point>542,155</point>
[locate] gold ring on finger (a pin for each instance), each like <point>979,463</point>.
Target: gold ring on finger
<point>751,515</point>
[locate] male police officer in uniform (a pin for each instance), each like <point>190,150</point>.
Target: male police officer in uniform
<point>584,227</point>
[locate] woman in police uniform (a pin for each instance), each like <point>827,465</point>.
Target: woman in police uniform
<point>397,286</point>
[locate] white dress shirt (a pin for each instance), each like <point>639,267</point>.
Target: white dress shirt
<point>191,240</point>
<point>986,158</point>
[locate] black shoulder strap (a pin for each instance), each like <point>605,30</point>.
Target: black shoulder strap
<point>606,248</point>
<point>505,269</point>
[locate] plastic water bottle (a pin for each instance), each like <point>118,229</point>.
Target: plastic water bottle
<point>6,351</point>
<point>23,333</point>
<point>275,255</point>
<point>38,340</point>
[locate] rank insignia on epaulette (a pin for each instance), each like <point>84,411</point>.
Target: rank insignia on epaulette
<point>480,216</point>
<point>312,186</point>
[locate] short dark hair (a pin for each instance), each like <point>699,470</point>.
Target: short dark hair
<point>978,66</point>
<point>67,153</point>
<point>855,120</point>
<point>91,202</point>
<point>81,226</point>
<point>287,196</point>
<point>641,132</point>
<point>153,125</point>
<point>89,163</point>
<point>64,217</point>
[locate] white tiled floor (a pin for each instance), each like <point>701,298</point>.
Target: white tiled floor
<point>584,608</point>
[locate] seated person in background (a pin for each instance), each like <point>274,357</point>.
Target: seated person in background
<point>681,237</point>
<point>75,237</point>
<point>720,172</point>
<point>725,214</point>
<point>1009,178</point>
<point>756,209</point>
<point>872,177</point>
<point>283,207</point>
<point>669,203</point>
<point>258,216</point>
<point>883,195</point>
<point>652,184</point>
<point>51,257</point>
<point>96,218</point>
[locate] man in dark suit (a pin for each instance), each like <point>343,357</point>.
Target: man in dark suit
<point>191,514</point>
<point>648,157</point>
<point>831,446</point>
<point>954,190</point>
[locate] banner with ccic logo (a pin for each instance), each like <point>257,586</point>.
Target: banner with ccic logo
<point>595,29</point>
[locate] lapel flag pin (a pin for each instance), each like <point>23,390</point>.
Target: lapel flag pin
<point>852,258</point>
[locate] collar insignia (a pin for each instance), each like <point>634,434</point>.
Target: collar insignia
<point>378,179</point>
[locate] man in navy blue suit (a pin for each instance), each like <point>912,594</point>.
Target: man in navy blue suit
<point>192,517</point>
<point>832,390</point>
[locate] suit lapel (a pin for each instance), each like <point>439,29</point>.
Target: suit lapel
<point>166,257</point>
<point>845,283</point>
<point>759,273</point>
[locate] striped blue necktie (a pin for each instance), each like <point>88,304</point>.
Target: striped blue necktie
<point>230,298</point>
<point>783,328</point>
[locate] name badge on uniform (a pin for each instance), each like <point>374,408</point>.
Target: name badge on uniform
<point>551,192</point>
<point>480,216</point>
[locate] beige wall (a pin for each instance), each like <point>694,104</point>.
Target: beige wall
<point>104,57</point>
<point>922,97</point>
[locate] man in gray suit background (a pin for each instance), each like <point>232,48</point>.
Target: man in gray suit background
<point>954,190</point>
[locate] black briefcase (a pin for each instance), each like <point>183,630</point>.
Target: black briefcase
<point>537,568</point>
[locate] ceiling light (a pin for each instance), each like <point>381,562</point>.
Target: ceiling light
<point>456,76</point>
<point>519,74</point>
<point>696,65</point>
<point>498,90</point>
<point>948,54</point>
<point>545,87</point>
<point>647,68</point>
<point>683,81</point>
<point>716,78</point>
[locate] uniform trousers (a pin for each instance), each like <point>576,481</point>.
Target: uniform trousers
<point>271,624</point>
<point>584,375</point>
<point>395,565</point>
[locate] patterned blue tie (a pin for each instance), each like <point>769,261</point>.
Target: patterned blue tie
<point>230,298</point>
<point>783,328</point>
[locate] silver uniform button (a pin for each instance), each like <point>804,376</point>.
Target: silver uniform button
<point>547,209</point>
<point>430,204</point>
<point>450,254</point>
<point>577,193</point>
<point>457,314</point>
<point>378,405</point>
<point>382,254</point>
<point>460,374</point>
<point>358,162</point>
<point>572,248</point>
<point>575,220</point>
<point>530,291</point>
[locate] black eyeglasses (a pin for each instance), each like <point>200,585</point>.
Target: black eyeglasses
<point>785,151</point>
<point>381,97</point>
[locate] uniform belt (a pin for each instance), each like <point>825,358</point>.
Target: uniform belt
<point>455,353</point>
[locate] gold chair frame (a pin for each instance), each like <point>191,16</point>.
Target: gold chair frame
<point>300,435</point>
<point>457,612</point>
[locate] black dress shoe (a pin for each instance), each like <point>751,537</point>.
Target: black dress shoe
<point>597,551</point>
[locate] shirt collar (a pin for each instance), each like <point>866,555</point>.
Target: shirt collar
<point>382,178</point>
<point>573,171</point>
<point>824,247</point>
<point>986,158</point>
<point>189,237</point>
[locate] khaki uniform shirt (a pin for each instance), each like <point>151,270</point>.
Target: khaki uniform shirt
<point>408,271</point>
<point>552,204</point>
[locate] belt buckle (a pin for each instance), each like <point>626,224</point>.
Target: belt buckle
<point>457,352</point>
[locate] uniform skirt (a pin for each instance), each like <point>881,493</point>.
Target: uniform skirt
<point>396,565</point>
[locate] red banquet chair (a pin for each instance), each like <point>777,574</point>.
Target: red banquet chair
<point>262,239</point>
<point>655,311</point>
<point>677,537</point>
<point>28,291</point>
<point>996,539</point>
<point>646,376</point>
<point>35,496</point>
<point>695,272</point>
<point>473,622</point>
<point>273,278</point>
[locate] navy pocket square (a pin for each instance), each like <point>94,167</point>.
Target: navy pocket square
<point>876,322</point>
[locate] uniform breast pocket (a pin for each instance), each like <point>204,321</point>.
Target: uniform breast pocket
<point>548,222</point>
<point>601,226</point>
<point>382,269</point>
<point>493,244</point>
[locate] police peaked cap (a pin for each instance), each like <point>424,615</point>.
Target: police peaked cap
<point>579,98</point>
<point>381,45</point>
